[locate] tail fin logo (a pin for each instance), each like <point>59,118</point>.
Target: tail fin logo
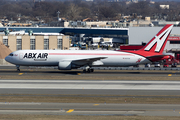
<point>139,60</point>
<point>160,39</point>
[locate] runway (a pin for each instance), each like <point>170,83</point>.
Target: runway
<point>91,87</point>
<point>90,84</point>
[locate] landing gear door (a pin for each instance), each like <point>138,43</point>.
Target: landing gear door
<point>21,56</point>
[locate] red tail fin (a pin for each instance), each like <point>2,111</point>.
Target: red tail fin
<point>157,44</point>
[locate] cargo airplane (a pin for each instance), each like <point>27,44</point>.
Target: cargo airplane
<point>73,59</point>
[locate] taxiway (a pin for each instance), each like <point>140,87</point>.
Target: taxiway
<point>90,109</point>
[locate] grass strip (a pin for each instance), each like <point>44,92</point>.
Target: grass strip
<point>91,99</point>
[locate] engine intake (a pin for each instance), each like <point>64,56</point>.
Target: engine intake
<point>65,65</point>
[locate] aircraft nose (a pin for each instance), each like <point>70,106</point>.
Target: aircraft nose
<point>7,59</point>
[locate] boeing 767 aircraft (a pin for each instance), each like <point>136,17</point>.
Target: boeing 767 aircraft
<point>73,59</point>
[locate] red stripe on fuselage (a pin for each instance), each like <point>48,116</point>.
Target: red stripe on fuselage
<point>89,54</point>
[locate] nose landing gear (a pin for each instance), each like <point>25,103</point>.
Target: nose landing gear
<point>17,67</point>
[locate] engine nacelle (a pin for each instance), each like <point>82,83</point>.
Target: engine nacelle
<point>65,65</point>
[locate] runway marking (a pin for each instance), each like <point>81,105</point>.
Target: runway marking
<point>70,110</point>
<point>96,104</point>
<point>20,73</point>
<point>169,74</point>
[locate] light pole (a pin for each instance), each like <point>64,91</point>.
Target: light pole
<point>58,14</point>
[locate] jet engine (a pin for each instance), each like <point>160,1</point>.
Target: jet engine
<point>65,65</point>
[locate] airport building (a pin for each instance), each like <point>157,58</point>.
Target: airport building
<point>131,35</point>
<point>12,43</point>
<point>23,42</point>
<point>117,35</point>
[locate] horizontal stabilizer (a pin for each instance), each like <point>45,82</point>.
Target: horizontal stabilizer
<point>157,57</point>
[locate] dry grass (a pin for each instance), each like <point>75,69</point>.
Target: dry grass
<point>91,99</point>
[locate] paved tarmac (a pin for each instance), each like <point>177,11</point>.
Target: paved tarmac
<point>89,87</point>
<point>91,109</point>
<point>98,74</point>
<point>141,67</point>
<point>99,71</point>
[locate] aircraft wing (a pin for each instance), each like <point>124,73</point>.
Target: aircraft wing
<point>87,61</point>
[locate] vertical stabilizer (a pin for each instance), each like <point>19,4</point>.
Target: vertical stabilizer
<point>157,43</point>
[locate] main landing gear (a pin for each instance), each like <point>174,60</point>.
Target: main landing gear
<point>88,70</point>
<point>17,67</point>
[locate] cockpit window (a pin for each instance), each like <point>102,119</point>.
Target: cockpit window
<point>11,54</point>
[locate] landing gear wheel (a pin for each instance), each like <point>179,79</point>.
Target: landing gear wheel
<point>89,70</point>
<point>84,71</point>
<point>92,70</point>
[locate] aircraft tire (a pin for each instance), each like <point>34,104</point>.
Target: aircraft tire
<point>92,70</point>
<point>89,70</point>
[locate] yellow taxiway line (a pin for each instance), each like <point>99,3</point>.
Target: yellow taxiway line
<point>70,110</point>
<point>96,104</point>
<point>169,74</point>
<point>20,73</point>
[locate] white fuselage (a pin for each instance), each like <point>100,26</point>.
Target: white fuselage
<point>53,57</point>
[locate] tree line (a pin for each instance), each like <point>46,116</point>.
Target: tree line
<point>79,10</point>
